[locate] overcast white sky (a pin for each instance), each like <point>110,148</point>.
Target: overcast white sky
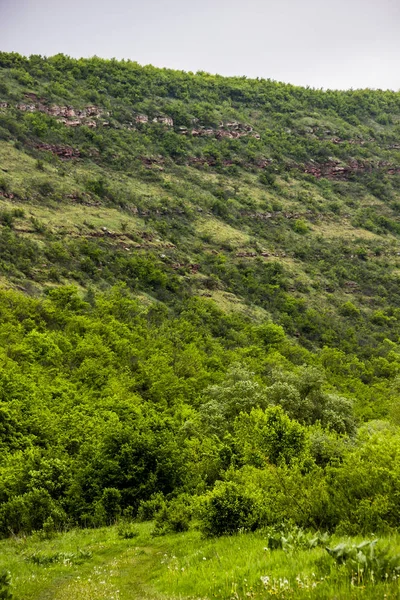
<point>330,44</point>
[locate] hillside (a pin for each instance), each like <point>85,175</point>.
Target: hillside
<point>200,300</point>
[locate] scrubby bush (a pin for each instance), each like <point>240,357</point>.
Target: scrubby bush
<point>127,531</point>
<point>174,516</point>
<point>108,508</point>
<point>29,512</point>
<point>149,508</point>
<point>228,509</point>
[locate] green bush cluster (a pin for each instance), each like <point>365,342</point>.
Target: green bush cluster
<point>109,410</point>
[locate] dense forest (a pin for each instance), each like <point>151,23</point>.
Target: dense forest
<point>200,301</point>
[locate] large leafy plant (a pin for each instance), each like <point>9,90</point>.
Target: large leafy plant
<point>366,561</point>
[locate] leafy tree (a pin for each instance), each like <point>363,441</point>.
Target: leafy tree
<point>269,436</point>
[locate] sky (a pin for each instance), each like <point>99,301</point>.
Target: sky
<point>338,44</point>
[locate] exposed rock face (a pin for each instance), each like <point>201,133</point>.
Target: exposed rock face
<point>26,107</point>
<point>71,123</point>
<point>229,130</point>
<point>83,198</point>
<point>153,161</point>
<point>263,163</point>
<point>262,253</point>
<point>193,268</point>
<point>141,119</point>
<point>335,170</point>
<point>90,116</point>
<point>265,216</point>
<point>8,195</point>
<point>317,132</point>
<point>64,152</point>
<point>211,162</point>
<point>71,117</point>
<point>164,120</point>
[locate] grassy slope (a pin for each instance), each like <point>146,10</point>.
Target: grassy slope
<point>99,564</point>
<point>60,217</point>
<point>301,125</point>
<point>317,265</point>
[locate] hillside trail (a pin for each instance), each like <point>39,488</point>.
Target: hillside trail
<point>122,575</point>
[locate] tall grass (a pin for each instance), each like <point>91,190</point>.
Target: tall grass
<point>103,565</point>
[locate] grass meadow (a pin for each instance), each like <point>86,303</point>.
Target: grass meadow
<point>112,564</point>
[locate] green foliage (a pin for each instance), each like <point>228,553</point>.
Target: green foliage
<point>128,532</point>
<point>294,538</point>
<point>364,485</point>
<point>270,333</point>
<point>66,558</point>
<point>5,586</point>
<point>8,217</point>
<point>269,436</point>
<point>239,392</point>
<point>366,562</point>
<point>149,508</point>
<point>300,226</point>
<point>174,516</point>
<point>229,509</point>
<point>109,506</point>
<point>29,511</point>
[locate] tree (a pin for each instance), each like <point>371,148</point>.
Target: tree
<point>269,436</point>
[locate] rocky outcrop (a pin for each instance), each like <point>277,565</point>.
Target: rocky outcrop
<point>164,120</point>
<point>266,216</point>
<point>8,195</point>
<point>91,117</point>
<point>193,268</point>
<point>320,133</point>
<point>63,152</point>
<point>156,162</point>
<point>335,170</point>
<point>70,116</point>
<point>229,130</point>
<point>83,198</point>
<point>141,119</point>
<point>263,253</point>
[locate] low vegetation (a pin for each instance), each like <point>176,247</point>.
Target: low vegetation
<point>99,564</point>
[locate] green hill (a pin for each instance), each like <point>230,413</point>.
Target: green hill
<point>200,300</point>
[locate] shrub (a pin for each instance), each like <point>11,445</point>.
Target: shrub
<point>228,509</point>
<point>300,226</point>
<point>290,538</point>
<point>110,503</point>
<point>29,512</point>
<point>128,531</point>
<point>149,508</point>
<point>175,516</point>
<point>364,488</point>
<point>7,218</point>
<point>45,188</point>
